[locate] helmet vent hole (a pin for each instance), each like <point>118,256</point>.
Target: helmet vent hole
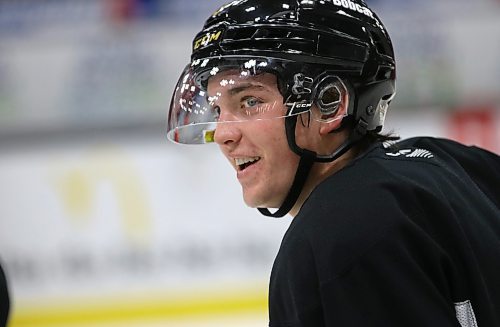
<point>282,14</point>
<point>384,73</point>
<point>270,38</point>
<point>387,97</point>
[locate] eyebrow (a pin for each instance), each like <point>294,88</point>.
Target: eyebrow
<point>244,87</point>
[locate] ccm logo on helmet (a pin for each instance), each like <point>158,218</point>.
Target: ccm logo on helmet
<point>206,39</point>
<point>348,4</point>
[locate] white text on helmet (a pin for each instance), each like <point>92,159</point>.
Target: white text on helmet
<point>348,4</point>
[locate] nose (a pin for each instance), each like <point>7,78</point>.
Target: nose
<point>227,131</point>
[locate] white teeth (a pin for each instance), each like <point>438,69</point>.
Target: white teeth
<point>242,161</point>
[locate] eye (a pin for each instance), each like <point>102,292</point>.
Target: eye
<point>248,102</point>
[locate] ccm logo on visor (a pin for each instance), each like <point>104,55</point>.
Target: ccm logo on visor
<point>206,39</point>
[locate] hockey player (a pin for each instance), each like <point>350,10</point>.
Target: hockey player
<point>295,94</point>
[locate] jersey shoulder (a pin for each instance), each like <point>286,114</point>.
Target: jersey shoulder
<point>416,184</point>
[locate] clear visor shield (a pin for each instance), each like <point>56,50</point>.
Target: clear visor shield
<point>214,91</point>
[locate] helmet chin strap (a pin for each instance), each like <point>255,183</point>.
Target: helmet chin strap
<point>307,159</point>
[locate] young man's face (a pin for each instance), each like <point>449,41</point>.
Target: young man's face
<point>251,134</point>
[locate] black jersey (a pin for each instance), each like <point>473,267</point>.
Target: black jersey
<point>4,299</point>
<point>406,236</point>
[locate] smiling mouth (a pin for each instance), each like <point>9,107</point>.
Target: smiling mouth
<point>243,163</point>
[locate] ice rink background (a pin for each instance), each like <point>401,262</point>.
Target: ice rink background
<point>105,223</point>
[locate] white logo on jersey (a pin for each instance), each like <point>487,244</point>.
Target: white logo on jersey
<point>399,153</point>
<point>465,314</point>
<point>420,153</point>
<point>408,153</point>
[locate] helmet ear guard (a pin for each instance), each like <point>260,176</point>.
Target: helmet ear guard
<point>325,96</point>
<point>329,99</point>
<point>331,95</point>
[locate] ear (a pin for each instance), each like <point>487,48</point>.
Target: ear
<point>333,104</point>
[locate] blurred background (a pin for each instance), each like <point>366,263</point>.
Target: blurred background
<point>104,223</point>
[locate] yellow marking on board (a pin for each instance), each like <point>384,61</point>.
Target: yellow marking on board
<point>78,187</point>
<point>76,191</point>
<point>130,308</point>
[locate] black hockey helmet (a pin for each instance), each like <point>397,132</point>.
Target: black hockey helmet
<point>312,46</point>
<point>310,41</point>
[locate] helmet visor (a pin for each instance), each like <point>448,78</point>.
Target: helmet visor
<point>214,91</point>
<point>223,90</point>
